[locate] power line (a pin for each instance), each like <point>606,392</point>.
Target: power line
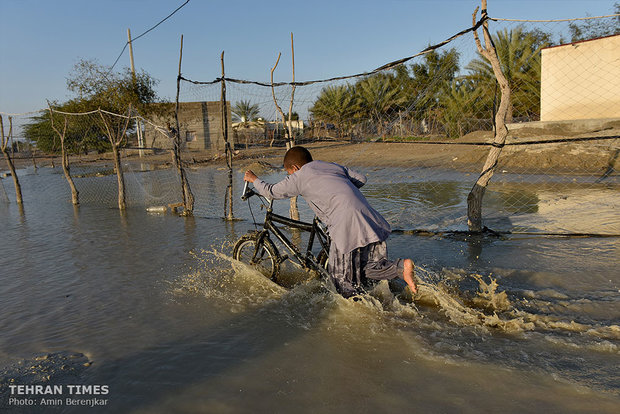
<point>147,31</point>
<point>553,20</point>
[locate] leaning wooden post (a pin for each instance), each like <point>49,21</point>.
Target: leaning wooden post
<point>228,202</point>
<point>188,196</point>
<point>9,161</point>
<point>293,210</point>
<point>275,101</point>
<point>65,157</point>
<point>474,199</point>
<point>291,140</point>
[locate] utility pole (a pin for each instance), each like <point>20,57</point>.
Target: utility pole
<point>133,73</point>
<point>133,68</point>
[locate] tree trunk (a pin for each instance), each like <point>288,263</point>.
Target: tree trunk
<point>9,161</point>
<point>65,168</point>
<point>65,158</point>
<point>474,199</point>
<point>18,188</point>
<point>120,177</point>
<point>115,140</point>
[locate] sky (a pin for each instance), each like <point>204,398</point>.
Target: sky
<point>41,40</point>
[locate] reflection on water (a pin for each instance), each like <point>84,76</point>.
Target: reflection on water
<point>512,200</point>
<point>171,323</point>
<point>418,195</point>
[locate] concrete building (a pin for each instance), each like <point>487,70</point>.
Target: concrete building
<point>581,80</point>
<point>200,124</point>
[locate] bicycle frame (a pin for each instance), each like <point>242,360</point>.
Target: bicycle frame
<point>307,260</point>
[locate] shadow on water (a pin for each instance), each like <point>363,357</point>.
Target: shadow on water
<point>169,368</point>
<point>141,378</point>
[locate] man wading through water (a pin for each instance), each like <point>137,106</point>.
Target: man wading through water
<point>358,232</point>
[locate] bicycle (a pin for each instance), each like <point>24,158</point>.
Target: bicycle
<point>259,251</point>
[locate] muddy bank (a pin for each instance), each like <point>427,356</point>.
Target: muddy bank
<point>592,153</point>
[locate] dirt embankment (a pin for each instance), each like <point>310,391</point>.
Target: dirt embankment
<point>557,152</point>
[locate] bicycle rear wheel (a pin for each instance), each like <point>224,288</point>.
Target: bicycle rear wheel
<point>266,261</point>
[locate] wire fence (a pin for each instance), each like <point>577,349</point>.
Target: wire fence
<point>420,128</point>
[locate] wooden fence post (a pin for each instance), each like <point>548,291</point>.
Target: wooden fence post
<point>228,202</point>
<point>188,196</point>
<point>290,142</point>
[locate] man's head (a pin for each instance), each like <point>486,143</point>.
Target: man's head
<point>295,158</point>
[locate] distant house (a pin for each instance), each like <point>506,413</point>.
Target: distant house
<point>581,80</point>
<point>262,133</point>
<point>200,126</point>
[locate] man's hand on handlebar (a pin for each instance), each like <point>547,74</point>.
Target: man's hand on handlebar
<point>249,176</point>
<point>247,191</point>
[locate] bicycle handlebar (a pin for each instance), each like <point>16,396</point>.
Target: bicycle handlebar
<point>247,192</point>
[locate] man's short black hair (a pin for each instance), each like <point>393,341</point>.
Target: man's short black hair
<point>297,156</point>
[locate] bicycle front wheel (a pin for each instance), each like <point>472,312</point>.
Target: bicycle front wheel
<point>266,261</point>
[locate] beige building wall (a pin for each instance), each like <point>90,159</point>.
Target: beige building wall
<point>581,80</point>
<point>200,124</point>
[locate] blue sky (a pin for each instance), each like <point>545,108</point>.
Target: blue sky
<point>43,39</point>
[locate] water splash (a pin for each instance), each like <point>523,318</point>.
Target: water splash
<point>218,276</point>
<point>489,308</point>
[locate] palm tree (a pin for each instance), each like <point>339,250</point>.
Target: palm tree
<point>245,112</point>
<point>377,98</point>
<point>460,108</point>
<point>424,85</point>
<point>335,105</point>
<point>246,120</point>
<point>519,56</point>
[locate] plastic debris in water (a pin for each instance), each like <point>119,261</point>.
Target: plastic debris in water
<point>156,209</point>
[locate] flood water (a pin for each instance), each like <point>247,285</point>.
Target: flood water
<point>153,307</point>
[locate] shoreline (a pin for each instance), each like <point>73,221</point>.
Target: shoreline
<point>563,159</point>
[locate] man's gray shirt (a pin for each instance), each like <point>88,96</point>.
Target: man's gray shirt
<point>332,191</point>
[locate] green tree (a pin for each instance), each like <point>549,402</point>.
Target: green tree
<point>431,84</point>
<point>377,97</point>
<point>83,133</point>
<point>519,55</point>
<point>590,29</point>
<point>39,131</point>
<point>433,75</point>
<point>376,101</point>
<point>95,87</point>
<point>335,105</point>
<point>459,109</point>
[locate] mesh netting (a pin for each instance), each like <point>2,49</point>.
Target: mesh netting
<point>420,128</point>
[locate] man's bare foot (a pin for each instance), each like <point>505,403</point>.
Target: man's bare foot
<point>408,275</point>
